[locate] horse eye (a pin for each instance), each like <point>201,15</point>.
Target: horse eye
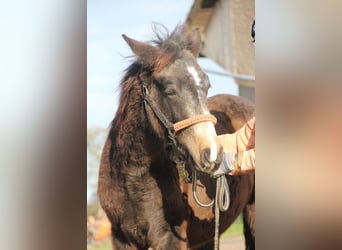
<point>170,91</point>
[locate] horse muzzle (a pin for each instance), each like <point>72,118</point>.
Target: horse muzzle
<point>207,163</point>
<point>202,144</point>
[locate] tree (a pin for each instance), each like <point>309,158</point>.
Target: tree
<point>95,141</point>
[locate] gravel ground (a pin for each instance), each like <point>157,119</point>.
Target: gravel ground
<point>232,243</point>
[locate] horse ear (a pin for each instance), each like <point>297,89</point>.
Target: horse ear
<point>194,42</point>
<point>144,51</point>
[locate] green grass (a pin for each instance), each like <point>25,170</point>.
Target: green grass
<point>235,229</point>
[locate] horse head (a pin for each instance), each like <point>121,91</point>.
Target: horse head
<point>175,92</point>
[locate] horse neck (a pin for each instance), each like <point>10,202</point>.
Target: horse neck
<point>134,143</point>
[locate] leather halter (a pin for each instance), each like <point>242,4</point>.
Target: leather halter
<point>172,128</point>
<point>175,127</point>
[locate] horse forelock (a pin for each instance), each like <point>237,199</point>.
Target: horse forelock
<point>170,45</point>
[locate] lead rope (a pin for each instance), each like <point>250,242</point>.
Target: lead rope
<point>222,193</point>
<point>222,201</point>
<point>217,219</point>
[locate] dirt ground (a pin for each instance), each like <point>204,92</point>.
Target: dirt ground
<point>232,243</point>
<point>226,243</point>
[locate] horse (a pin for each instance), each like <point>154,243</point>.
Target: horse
<point>232,112</point>
<point>162,131</point>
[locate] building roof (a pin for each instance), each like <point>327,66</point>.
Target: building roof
<point>200,15</point>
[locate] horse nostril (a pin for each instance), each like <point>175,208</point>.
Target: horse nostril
<point>206,160</point>
<point>205,156</point>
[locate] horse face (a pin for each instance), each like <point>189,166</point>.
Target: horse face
<point>179,90</point>
<point>183,88</point>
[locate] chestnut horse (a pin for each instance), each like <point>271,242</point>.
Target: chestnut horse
<point>162,131</point>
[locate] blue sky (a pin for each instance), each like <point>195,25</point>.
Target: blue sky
<point>106,50</point>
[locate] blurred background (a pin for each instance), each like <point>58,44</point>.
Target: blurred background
<point>44,71</point>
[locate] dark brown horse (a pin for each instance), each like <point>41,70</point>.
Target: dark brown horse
<point>162,121</point>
